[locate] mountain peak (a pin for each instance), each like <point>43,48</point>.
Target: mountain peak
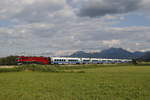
<point>115,49</point>
<point>117,53</point>
<point>78,52</point>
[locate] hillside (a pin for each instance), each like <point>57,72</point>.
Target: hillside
<point>110,53</point>
<point>145,57</point>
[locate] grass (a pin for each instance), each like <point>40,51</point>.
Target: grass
<point>100,82</point>
<point>54,68</point>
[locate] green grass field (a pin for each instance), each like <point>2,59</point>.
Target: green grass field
<point>97,83</point>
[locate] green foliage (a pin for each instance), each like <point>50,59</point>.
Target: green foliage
<point>57,68</point>
<point>34,67</point>
<point>134,61</point>
<point>10,60</point>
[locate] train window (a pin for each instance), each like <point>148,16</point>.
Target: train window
<point>72,60</point>
<point>86,60</point>
<point>57,60</point>
<point>62,60</point>
<point>94,60</point>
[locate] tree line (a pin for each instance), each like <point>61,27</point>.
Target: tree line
<point>10,60</point>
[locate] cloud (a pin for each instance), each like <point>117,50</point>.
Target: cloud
<point>94,8</point>
<point>30,10</point>
<point>40,10</point>
<point>111,43</point>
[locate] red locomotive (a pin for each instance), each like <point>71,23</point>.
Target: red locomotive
<point>33,60</point>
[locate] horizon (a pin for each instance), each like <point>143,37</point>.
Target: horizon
<point>60,27</point>
<point>47,54</point>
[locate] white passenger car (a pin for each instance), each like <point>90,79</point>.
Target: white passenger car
<point>65,60</point>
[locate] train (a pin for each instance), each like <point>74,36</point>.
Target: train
<point>67,60</point>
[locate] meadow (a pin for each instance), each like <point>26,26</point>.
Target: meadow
<point>88,82</point>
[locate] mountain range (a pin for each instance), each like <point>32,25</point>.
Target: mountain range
<point>111,53</point>
<point>145,57</point>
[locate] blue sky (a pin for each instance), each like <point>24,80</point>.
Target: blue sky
<point>61,27</point>
<point>134,20</point>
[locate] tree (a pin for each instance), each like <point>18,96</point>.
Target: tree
<point>134,61</point>
<point>10,60</point>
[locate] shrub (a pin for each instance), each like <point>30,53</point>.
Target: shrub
<point>35,67</point>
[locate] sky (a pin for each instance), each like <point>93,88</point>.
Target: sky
<point>61,27</point>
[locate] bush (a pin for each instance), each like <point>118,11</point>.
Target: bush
<point>36,68</point>
<point>10,60</point>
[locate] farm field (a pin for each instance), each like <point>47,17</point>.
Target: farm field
<point>97,83</point>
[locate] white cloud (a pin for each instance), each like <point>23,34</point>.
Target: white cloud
<point>111,43</point>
